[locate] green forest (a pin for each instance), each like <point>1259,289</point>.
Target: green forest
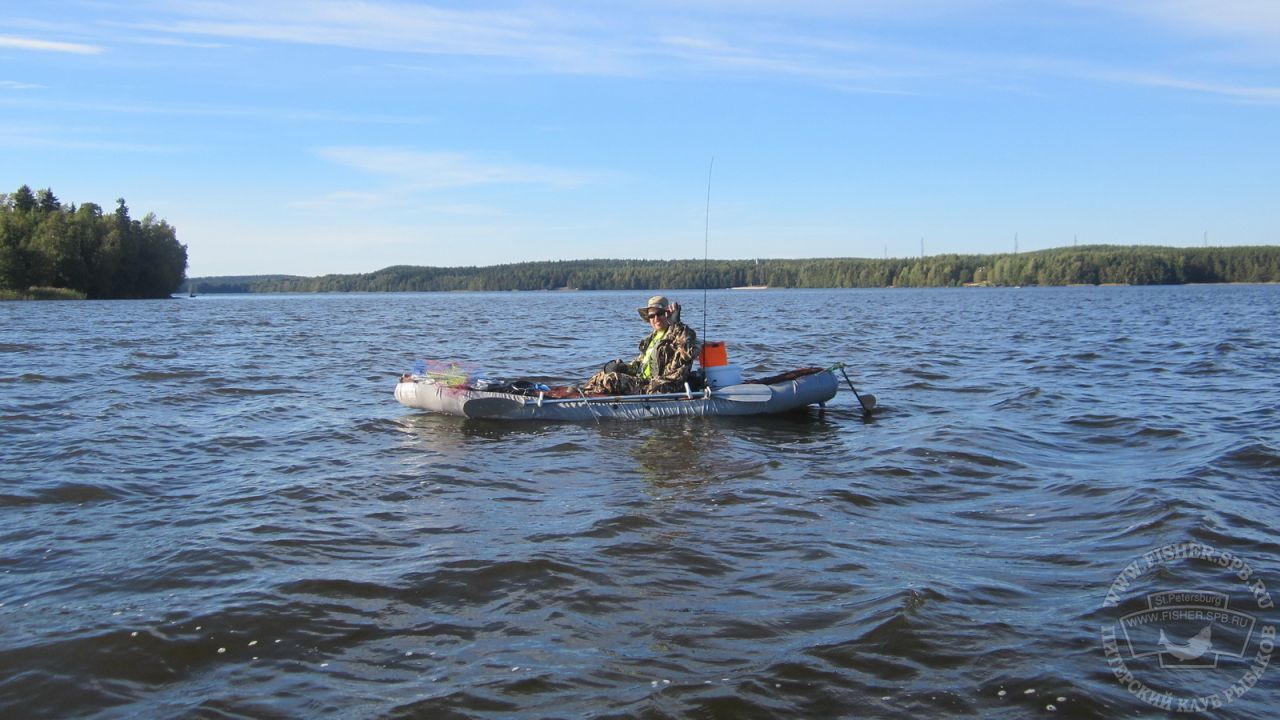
<point>1088,265</point>
<point>51,249</point>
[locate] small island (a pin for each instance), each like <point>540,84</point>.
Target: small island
<point>52,250</point>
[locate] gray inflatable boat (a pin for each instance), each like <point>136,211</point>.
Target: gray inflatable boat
<point>776,394</point>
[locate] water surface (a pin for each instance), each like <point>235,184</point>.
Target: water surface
<point>213,507</point>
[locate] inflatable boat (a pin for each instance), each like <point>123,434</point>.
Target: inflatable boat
<point>527,401</point>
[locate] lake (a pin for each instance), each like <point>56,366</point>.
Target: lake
<point>213,507</point>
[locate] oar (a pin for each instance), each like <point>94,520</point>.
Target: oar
<point>868,401</point>
<point>746,392</point>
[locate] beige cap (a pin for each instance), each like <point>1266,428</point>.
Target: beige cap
<point>657,302</point>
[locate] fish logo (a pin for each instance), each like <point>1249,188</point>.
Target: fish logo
<point>1202,616</point>
<point>1151,640</point>
<point>1193,648</point>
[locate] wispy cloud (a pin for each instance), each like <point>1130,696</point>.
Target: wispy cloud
<point>653,39</point>
<point>26,137</point>
<point>209,110</point>
<point>176,42</point>
<point>34,44</point>
<point>853,66</point>
<point>439,170</point>
<point>404,177</point>
<point>15,85</point>
<point>551,39</point>
<point>1258,94</point>
<point>851,45</point>
<point>845,45</point>
<point>1243,18</point>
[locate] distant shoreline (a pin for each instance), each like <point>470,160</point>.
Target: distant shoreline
<point>1086,266</point>
<point>1075,286</point>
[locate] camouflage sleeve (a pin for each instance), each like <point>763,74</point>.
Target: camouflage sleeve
<point>686,349</point>
<point>675,359</point>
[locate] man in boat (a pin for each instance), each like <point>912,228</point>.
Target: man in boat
<point>665,359</point>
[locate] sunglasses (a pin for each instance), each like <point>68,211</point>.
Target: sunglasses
<point>656,313</point>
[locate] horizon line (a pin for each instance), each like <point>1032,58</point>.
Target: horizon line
<point>749,259</point>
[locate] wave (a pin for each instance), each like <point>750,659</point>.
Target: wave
<point>64,493</point>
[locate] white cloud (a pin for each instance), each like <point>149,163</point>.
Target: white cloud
<point>1248,18</point>
<point>844,44</point>
<point>85,138</point>
<point>439,170</point>
<point>873,67</point>
<point>1259,94</point>
<point>606,38</point>
<point>176,42</point>
<point>212,111</point>
<point>23,43</point>
<point>15,85</point>
<point>551,39</point>
<point>850,45</point>
<point>407,178</point>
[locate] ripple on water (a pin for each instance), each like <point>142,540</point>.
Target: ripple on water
<point>236,391</point>
<point>61,493</point>
<point>199,532</point>
<point>1249,456</point>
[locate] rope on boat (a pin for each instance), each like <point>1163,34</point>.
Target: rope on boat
<point>594,414</point>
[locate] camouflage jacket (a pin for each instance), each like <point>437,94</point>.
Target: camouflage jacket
<point>673,358</point>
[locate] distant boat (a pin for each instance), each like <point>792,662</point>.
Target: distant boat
<point>191,290</point>
<point>750,287</point>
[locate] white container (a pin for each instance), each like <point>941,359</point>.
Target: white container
<point>720,376</point>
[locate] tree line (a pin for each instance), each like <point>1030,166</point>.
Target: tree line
<point>1089,265</point>
<point>47,244</point>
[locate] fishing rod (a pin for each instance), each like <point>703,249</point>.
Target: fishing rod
<point>706,245</point>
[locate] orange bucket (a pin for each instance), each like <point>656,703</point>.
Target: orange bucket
<point>713,354</point>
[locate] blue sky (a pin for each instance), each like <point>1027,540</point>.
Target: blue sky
<point>283,136</point>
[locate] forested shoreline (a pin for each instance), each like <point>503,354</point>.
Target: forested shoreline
<point>52,249</point>
<point>49,249</point>
<point>1089,265</point>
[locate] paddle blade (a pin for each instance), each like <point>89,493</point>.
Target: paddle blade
<point>868,402</point>
<point>486,407</point>
<point>746,392</point>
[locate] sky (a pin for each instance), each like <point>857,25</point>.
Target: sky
<point>317,136</point>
